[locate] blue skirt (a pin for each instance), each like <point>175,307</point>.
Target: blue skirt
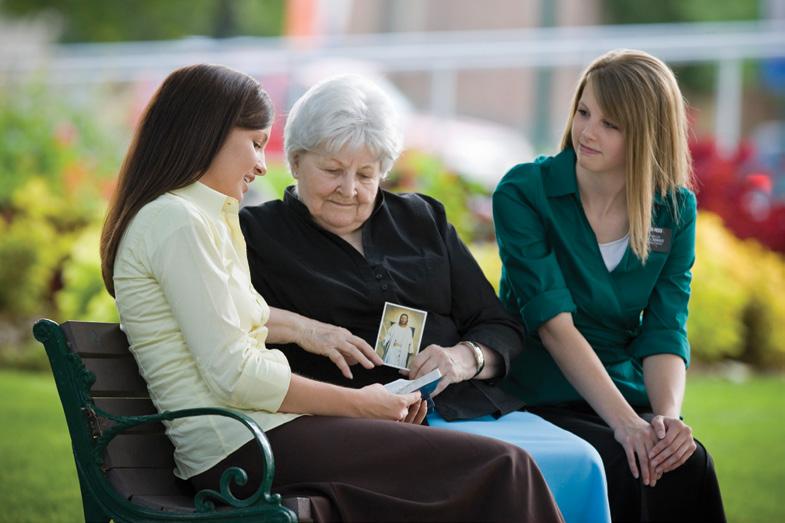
<point>572,468</point>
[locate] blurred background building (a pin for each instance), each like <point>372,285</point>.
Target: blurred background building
<point>494,72</point>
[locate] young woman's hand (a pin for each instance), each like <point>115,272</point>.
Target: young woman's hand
<point>417,413</point>
<point>675,445</point>
<point>339,345</point>
<point>374,401</point>
<point>638,439</point>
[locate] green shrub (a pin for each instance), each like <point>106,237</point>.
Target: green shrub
<point>83,296</point>
<point>273,184</point>
<point>764,317</point>
<point>720,292</point>
<point>737,306</point>
<point>46,137</point>
<point>57,164</point>
<point>30,254</point>
<point>419,172</point>
<point>35,243</point>
<point>487,255</point>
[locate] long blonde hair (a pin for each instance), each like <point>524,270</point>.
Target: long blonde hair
<point>640,93</point>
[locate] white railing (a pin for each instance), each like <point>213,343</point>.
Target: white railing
<point>442,54</point>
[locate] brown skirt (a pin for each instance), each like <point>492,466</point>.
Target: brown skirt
<point>373,470</point>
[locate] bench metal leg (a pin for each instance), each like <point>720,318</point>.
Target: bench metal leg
<point>93,512</point>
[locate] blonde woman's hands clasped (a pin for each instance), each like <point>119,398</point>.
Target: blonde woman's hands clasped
<point>638,439</point>
<point>675,445</point>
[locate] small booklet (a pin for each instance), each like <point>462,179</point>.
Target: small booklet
<point>425,384</point>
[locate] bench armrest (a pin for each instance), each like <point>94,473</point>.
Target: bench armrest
<point>204,500</point>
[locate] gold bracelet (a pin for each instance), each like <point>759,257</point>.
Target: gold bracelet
<point>479,357</point>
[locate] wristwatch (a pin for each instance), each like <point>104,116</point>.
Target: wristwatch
<point>479,358</point>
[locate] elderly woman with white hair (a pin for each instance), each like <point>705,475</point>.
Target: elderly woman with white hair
<point>337,247</point>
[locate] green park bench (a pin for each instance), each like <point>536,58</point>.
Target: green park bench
<point>124,460</point>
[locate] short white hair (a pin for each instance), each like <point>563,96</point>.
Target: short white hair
<point>342,111</point>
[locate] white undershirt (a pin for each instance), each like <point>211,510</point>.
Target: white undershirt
<point>613,252</point>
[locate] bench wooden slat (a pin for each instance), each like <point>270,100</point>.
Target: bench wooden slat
<point>147,482</point>
<point>116,377</point>
<point>166,503</point>
<point>126,406</point>
<point>95,338</point>
<point>140,451</point>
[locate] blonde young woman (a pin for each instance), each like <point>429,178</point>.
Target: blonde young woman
<point>597,244</point>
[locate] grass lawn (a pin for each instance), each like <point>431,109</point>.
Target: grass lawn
<point>37,473</point>
<point>741,424</point>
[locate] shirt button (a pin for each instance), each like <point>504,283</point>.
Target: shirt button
<point>378,276</point>
<point>384,286</point>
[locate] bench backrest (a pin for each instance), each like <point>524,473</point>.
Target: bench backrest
<point>94,368</point>
<point>138,463</point>
<point>97,378</point>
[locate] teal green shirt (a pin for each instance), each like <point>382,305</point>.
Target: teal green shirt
<point>552,264</point>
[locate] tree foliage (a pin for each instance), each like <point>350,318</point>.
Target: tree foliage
<point>665,11</point>
<point>140,20</point>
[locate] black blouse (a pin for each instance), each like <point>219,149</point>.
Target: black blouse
<point>413,257</point>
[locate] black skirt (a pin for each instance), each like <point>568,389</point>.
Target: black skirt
<point>689,493</point>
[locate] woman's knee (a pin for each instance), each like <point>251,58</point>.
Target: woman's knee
<point>581,454</point>
<point>698,464</point>
<point>591,460</point>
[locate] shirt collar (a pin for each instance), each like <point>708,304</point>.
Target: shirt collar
<point>209,200</point>
<point>291,200</point>
<point>559,178</point>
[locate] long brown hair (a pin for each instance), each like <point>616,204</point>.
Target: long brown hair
<point>183,127</point>
<point>640,92</point>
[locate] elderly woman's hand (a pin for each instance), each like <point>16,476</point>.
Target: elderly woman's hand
<point>456,364</point>
<point>338,344</point>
